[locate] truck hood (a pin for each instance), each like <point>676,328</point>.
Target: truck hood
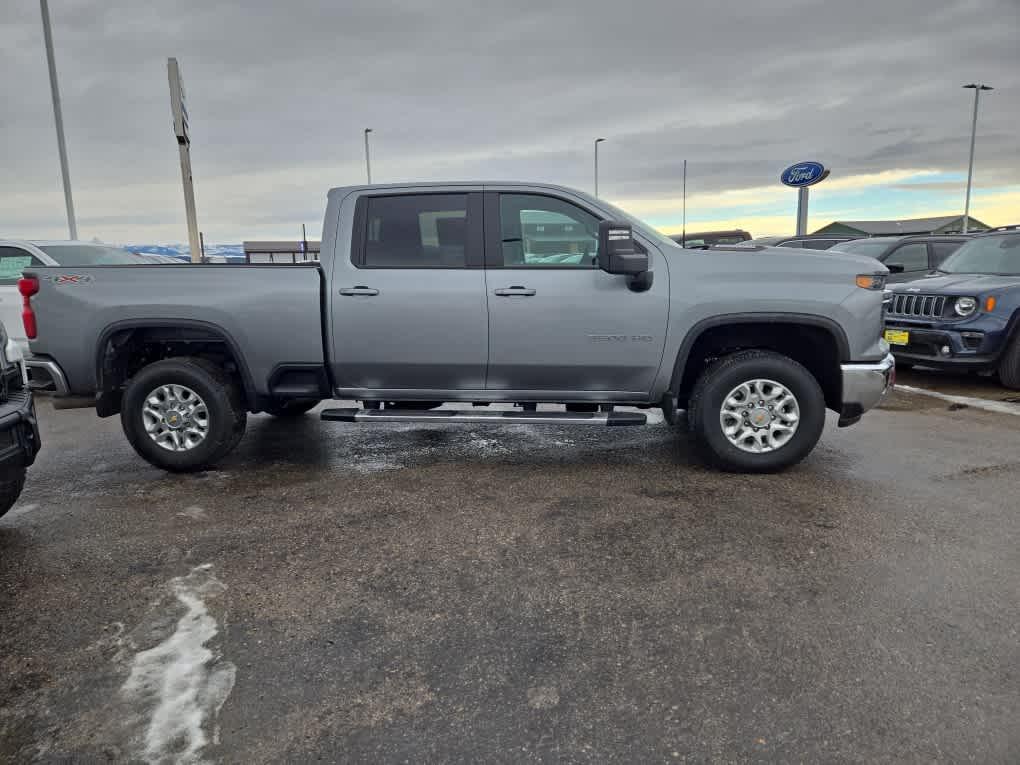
<point>959,284</point>
<point>825,260</point>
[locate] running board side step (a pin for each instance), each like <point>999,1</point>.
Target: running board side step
<point>492,417</point>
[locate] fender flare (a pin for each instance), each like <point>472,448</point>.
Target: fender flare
<point>806,319</point>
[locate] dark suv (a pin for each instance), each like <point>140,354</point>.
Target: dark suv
<point>966,315</point>
<point>906,257</point>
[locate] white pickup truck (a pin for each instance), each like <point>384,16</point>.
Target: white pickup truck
<point>473,293</point>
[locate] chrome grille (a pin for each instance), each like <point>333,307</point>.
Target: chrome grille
<point>923,306</point>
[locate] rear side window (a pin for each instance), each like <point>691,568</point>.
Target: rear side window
<point>793,243</point>
<point>416,231</point>
<point>14,260</point>
<point>943,250</point>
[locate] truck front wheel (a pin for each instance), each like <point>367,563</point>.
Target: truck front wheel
<point>182,414</point>
<point>756,412</point>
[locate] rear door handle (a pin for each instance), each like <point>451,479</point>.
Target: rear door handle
<point>359,290</point>
<point>514,292</point>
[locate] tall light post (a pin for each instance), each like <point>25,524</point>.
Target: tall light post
<point>977,88</point>
<point>368,163</point>
<point>597,142</point>
<point>65,174</point>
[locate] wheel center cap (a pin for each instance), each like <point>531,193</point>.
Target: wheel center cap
<point>174,420</point>
<point>759,417</point>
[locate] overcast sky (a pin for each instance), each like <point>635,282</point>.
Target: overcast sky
<point>279,93</point>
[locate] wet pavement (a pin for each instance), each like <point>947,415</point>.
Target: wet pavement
<point>394,593</point>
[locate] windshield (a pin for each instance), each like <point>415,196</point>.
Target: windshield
<point>870,247</point>
<point>999,255</point>
<point>91,255</point>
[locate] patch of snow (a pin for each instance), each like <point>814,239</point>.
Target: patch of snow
<point>179,686</point>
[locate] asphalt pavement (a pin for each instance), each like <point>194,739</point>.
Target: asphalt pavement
<point>396,593</point>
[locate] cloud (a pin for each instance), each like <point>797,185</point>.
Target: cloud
<point>280,92</point>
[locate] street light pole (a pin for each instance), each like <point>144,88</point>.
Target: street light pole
<point>65,174</point>
<point>368,164</point>
<point>977,88</point>
<point>597,142</point>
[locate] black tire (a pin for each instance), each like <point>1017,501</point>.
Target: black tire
<point>11,483</point>
<point>222,397</point>
<point>294,407</point>
<point>706,400</point>
<point>1009,365</point>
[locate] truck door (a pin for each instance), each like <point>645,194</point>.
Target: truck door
<point>408,305</point>
<point>556,321</point>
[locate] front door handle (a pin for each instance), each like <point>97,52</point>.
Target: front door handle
<point>513,292</point>
<point>359,290</point>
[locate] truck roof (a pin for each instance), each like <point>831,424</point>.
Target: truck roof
<point>343,191</point>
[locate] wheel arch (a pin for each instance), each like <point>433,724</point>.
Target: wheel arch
<point>118,335</point>
<point>826,347</point>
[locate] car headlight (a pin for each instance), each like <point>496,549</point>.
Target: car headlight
<point>965,306</point>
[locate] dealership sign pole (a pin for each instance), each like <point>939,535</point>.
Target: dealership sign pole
<point>800,176</point>
<point>180,115</point>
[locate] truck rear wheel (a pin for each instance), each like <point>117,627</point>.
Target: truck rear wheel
<point>182,414</point>
<point>756,412</point>
<point>1009,366</point>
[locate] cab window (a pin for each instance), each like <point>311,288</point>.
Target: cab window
<point>544,232</point>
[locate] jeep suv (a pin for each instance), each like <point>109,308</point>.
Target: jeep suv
<point>966,315</point>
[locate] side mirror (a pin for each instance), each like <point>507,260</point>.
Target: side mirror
<point>617,253</point>
<point>894,268</point>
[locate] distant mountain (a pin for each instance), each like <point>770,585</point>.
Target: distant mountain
<point>182,251</point>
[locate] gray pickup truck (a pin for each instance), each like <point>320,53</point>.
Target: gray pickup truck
<point>432,295</point>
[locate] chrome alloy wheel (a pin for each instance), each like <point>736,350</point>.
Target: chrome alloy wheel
<point>759,416</point>
<point>175,417</point>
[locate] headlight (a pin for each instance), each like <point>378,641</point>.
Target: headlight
<point>965,306</point>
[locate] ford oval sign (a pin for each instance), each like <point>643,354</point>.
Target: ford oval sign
<point>804,174</point>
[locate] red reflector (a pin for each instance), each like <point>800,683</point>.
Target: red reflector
<point>28,286</point>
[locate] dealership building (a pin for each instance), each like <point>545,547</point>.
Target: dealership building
<point>946,224</point>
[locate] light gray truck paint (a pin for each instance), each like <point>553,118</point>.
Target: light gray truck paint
<point>444,334</point>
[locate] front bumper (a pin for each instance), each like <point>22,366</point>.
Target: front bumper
<point>19,430</point>
<point>864,387</point>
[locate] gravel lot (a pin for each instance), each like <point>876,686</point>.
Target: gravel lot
<point>398,593</point>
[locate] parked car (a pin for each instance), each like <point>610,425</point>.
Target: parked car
<point>907,257</point>
<point>711,238</point>
<point>807,241</point>
<point>433,293</point>
<point>967,314</point>
<point>16,256</point>
<point>19,430</point>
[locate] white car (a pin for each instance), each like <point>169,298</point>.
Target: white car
<point>16,256</point>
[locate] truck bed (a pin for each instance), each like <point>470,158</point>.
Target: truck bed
<point>259,309</point>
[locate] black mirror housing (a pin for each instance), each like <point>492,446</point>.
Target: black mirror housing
<point>617,252</point>
<point>895,268</point>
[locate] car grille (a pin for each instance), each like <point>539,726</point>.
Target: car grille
<point>924,306</point>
